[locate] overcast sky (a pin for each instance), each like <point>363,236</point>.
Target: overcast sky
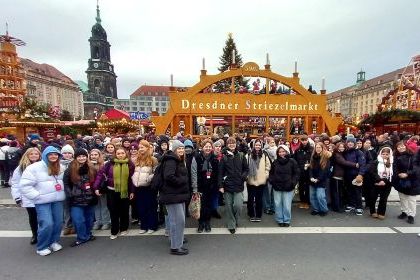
<point>152,39</point>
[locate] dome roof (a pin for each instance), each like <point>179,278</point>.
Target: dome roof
<point>98,31</point>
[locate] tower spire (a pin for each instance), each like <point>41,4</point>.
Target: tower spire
<point>98,13</point>
<point>7,29</point>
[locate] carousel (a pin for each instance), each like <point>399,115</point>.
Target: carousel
<point>399,110</point>
<point>222,103</point>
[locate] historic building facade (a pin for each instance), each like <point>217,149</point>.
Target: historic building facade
<point>48,85</point>
<point>356,101</point>
<point>101,78</point>
<point>146,99</point>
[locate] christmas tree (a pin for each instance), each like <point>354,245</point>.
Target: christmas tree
<point>226,60</point>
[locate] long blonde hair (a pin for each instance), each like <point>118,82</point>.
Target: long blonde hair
<point>24,161</point>
<point>146,159</point>
<point>323,156</point>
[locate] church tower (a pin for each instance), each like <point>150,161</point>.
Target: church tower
<point>100,73</point>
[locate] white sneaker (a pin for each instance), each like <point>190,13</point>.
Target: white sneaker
<point>55,247</point>
<point>44,252</point>
<point>142,231</point>
<point>418,234</point>
<point>125,232</point>
<point>112,237</point>
<point>150,231</point>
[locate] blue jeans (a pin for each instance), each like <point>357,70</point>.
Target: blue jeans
<point>50,222</point>
<point>283,206</point>
<point>176,218</point>
<point>83,217</point>
<point>318,199</point>
<point>268,200</point>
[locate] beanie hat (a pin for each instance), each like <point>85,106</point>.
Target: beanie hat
<point>284,147</point>
<point>335,139</point>
<point>67,149</point>
<point>350,138</point>
<point>79,152</point>
<point>217,143</point>
<point>188,143</point>
<point>34,137</point>
<point>176,144</point>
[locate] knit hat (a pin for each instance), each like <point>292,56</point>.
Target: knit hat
<point>79,152</point>
<point>351,138</point>
<point>176,144</point>
<point>34,137</point>
<point>335,139</point>
<point>188,143</point>
<point>67,149</point>
<point>284,147</point>
<point>217,143</point>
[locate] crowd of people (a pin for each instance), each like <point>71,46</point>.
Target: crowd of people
<point>75,186</point>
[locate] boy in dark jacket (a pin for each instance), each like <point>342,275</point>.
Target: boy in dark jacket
<point>233,171</point>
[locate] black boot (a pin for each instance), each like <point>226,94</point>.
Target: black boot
<point>200,227</point>
<point>34,240</point>
<point>403,215</point>
<point>207,227</point>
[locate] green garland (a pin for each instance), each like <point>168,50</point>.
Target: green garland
<point>386,116</point>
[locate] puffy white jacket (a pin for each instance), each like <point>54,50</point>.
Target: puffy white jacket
<point>142,176</point>
<point>38,186</point>
<point>16,189</point>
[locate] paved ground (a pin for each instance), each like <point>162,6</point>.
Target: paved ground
<point>338,246</point>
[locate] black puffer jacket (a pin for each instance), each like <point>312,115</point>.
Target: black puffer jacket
<point>233,171</point>
<point>406,163</point>
<point>303,155</point>
<point>80,193</point>
<point>284,174</point>
<point>175,180</point>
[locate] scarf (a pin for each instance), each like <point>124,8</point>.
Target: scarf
<point>253,165</point>
<point>121,174</point>
<point>207,164</point>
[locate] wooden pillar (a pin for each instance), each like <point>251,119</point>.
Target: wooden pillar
<point>267,124</point>
<point>287,134</point>
<point>307,126</point>
<point>233,124</point>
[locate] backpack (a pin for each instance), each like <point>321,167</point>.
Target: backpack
<point>12,158</point>
<point>157,180</point>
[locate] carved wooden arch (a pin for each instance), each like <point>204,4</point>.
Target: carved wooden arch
<point>250,69</point>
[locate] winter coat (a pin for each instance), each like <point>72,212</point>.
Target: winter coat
<point>143,176</point>
<point>233,171</point>
<point>284,174</point>
<point>372,173</point>
<point>81,193</point>
<point>107,171</point>
<point>355,156</point>
<point>175,187</point>
<point>199,180</point>
<point>316,172</point>
<point>16,189</point>
<point>263,171</point>
<point>405,163</point>
<point>340,164</point>
<point>303,155</point>
<point>12,157</point>
<point>38,186</point>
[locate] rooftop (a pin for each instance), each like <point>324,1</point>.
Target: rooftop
<point>46,70</point>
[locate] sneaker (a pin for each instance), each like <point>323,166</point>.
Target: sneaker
<point>410,220</point>
<point>142,231</point>
<point>257,220</point>
<point>200,228</point>
<point>403,215</point>
<point>281,224</point>
<point>349,209</point>
<point>179,252</point>
<point>55,247</point>
<point>34,240</point>
<point>232,231</point>
<point>314,213</point>
<point>286,225</point>
<point>252,220</point>
<point>76,243</point>
<point>96,227</point>
<point>166,233</point>
<point>381,217</point>
<point>106,227</point>
<point>374,215</point>
<point>112,237</point>
<point>150,231</point>
<point>359,212</point>
<point>44,252</point>
<point>124,232</point>
<point>323,214</point>
<point>67,231</point>
<point>207,227</point>
<point>306,206</point>
<point>301,205</point>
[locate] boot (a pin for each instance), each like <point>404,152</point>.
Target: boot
<point>207,227</point>
<point>200,227</point>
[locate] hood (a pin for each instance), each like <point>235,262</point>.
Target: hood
<point>49,150</point>
<point>391,155</point>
